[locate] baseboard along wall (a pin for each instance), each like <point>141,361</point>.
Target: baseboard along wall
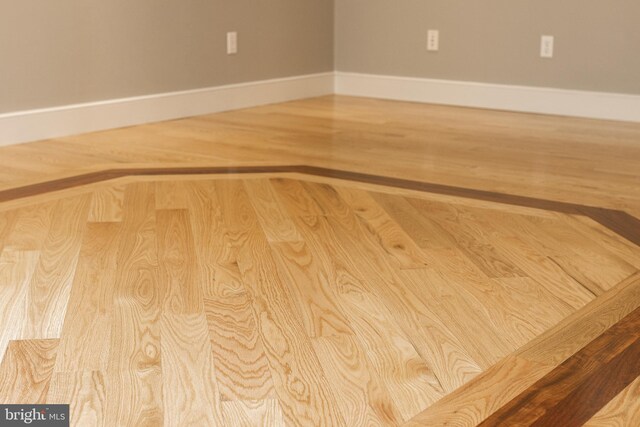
<point>47,123</point>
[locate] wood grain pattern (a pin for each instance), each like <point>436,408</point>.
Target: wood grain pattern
<point>605,238</point>
<point>514,374</point>
<point>190,294</point>
<point>264,413</point>
<point>484,253</point>
<point>16,270</point>
<point>86,333</point>
<point>588,398</point>
<point>311,290</point>
<point>217,257</point>
<point>25,371</point>
<point>242,368</point>
<point>412,263</point>
<point>187,365</point>
<point>622,410</point>
<point>623,223</point>
<point>299,380</point>
<point>583,326</point>
<point>329,199</point>
<point>170,195</point>
<point>473,402</point>
<point>30,228</point>
<point>580,255</point>
<point>363,397</point>
<point>106,204</point>
<point>410,380</point>
<point>295,198</point>
<point>84,392</point>
<point>52,279</point>
<point>275,222</point>
<point>179,273</point>
<point>574,391</point>
<point>133,377</point>
<point>7,220</point>
<point>620,222</point>
<point>352,374</point>
<point>392,237</point>
<point>534,251</point>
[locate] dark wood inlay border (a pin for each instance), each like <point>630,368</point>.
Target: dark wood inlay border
<point>620,222</point>
<point>578,388</point>
<point>570,394</point>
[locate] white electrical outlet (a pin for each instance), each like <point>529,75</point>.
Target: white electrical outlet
<point>546,47</point>
<point>433,40</point>
<point>232,43</point>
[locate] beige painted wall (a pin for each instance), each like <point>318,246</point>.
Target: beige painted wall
<point>71,51</point>
<point>597,42</point>
<point>58,52</point>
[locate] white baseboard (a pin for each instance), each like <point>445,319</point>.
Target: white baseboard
<point>55,122</point>
<point>32,125</point>
<point>598,105</point>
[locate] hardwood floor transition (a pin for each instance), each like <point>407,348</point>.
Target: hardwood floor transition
<point>332,261</point>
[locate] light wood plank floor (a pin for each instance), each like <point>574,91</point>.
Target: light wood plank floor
<point>583,161</point>
<point>292,299</point>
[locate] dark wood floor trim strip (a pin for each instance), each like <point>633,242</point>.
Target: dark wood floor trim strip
<point>618,221</point>
<point>100,176</point>
<point>428,187</point>
<point>571,393</point>
<point>579,387</point>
